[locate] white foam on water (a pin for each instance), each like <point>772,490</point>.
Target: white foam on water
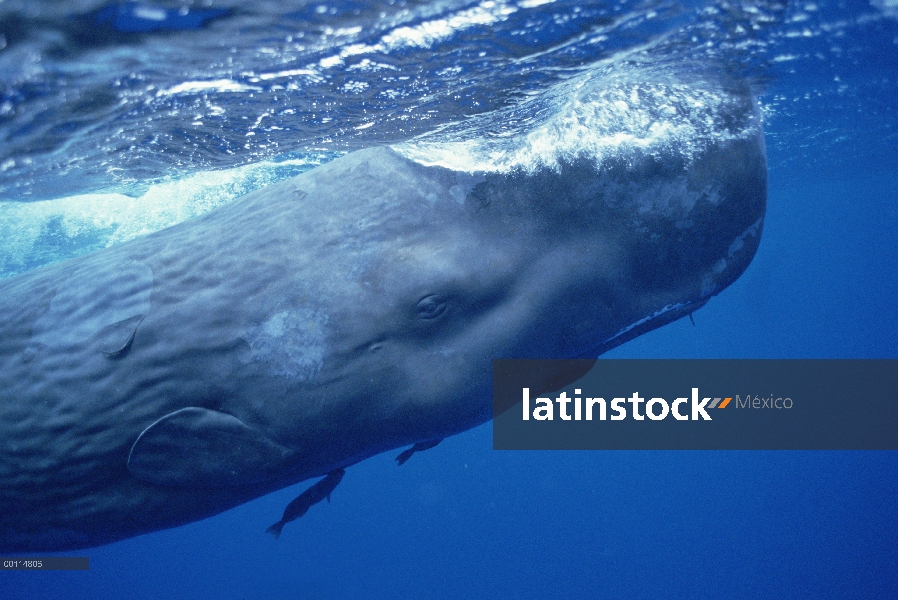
<point>594,117</point>
<point>114,218</point>
<point>428,33</point>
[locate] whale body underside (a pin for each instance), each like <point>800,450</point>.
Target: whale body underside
<point>348,311</point>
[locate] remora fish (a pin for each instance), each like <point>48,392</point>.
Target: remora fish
<point>307,499</point>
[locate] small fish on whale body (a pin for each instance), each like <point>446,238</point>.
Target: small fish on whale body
<point>307,500</point>
<point>321,490</point>
<point>419,447</point>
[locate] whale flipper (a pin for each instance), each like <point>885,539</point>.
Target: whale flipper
<point>306,500</point>
<point>197,447</point>
<point>419,447</point>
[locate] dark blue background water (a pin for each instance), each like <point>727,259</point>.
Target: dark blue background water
<point>462,520</point>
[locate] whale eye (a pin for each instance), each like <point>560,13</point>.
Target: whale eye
<point>431,307</point>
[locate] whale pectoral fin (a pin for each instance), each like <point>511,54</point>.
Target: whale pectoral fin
<point>115,340</point>
<point>197,447</point>
<point>419,447</point>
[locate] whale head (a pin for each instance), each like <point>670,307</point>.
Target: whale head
<point>443,271</point>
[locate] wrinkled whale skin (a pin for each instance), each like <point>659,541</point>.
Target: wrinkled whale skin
<point>319,321</point>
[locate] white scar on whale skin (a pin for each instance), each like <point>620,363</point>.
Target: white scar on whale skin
<point>709,286</point>
<point>290,343</point>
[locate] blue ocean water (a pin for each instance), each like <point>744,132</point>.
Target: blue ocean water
<point>117,119</point>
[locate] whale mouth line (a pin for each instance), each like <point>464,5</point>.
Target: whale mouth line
<point>658,313</point>
<point>663,316</point>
